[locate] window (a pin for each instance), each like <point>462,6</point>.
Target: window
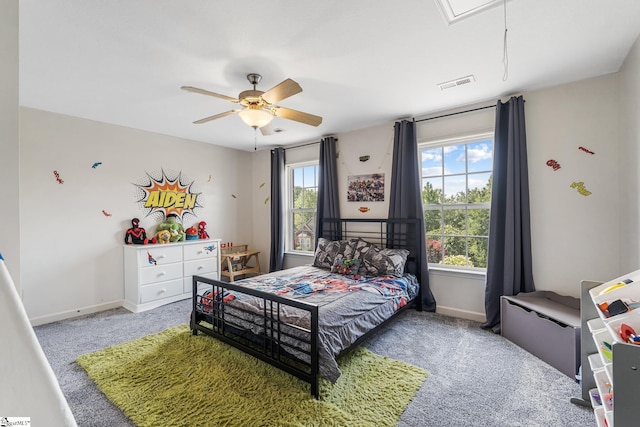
<point>302,185</point>
<point>456,196</point>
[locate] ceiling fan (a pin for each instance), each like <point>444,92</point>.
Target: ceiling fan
<point>259,108</point>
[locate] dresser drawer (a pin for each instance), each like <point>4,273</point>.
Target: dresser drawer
<point>198,251</point>
<point>160,290</point>
<point>200,266</point>
<point>160,273</point>
<point>159,254</point>
<point>188,281</point>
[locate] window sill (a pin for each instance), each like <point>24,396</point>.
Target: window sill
<point>303,254</point>
<point>448,271</point>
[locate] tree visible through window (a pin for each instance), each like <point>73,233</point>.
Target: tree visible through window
<point>456,196</point>
<point>303,199</point>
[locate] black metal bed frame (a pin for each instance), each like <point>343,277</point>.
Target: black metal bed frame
<point>276,344</point>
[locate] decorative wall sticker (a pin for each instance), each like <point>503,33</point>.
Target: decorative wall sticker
<point>364,209</point>
<point>152,260</point>
<point>96,164</point>
<point>261,185</point>
<point>57,175</point>
<point>364,158</point>
<point>580,187</point>
<point>585,150</point>
<point>234,196</point>
<point>366,188</point>
<point>267,200</point>
<point>163,194</point>
<point>105,213</point>
<point>552,163</point>
<point>209,180</point>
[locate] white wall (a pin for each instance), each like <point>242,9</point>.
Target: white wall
<point>261,211</point>
<point>71,252</point>
<point>629,98</point>
<point>574,237</point>
<point>9,140</point>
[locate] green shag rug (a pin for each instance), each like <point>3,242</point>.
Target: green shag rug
<point>177,379</point>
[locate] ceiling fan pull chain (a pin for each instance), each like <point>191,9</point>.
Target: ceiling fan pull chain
<point>505,57</point>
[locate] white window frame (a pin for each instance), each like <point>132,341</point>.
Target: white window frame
<point>289,168</point>
<point>463,139</point>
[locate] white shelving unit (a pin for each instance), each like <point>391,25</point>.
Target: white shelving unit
<point>608,361</point>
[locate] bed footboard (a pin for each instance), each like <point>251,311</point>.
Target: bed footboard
<point>267,335</point>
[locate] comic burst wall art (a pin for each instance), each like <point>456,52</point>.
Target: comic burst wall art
<point>164,193</point>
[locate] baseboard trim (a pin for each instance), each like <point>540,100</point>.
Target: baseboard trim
<point>64,315</point>
<point>463,314</point>
<point>56,317</point>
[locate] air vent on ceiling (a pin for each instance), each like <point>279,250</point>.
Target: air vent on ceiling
<point>457,82</point>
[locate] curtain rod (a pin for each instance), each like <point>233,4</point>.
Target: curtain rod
<point>459,112</point>
<point>303,145</point>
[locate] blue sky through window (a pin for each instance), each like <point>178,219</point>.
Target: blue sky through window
<point>453,161</point>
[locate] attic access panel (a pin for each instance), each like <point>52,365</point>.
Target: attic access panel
<point>454,10</point>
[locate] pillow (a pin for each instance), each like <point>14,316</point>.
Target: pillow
<point>361,247</point>
<point>382,262</point>
<point>347,267</point>
<point>327,251</point>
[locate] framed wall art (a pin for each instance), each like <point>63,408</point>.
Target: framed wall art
<point>366,188</point>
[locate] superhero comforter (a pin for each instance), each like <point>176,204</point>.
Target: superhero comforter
<point>348,306</point>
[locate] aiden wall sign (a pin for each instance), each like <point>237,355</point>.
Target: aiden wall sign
<point>164,193</point>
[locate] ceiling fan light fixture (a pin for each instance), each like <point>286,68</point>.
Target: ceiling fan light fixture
<point>255,117</point>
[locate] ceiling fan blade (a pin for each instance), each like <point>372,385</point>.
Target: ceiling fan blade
<point>298,116</point>
<point>217,116</point>
<point>267,130</point>
<point>281,91</point>
<point>206,92</point>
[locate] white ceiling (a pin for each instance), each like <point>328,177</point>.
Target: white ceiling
<point>360,62</point>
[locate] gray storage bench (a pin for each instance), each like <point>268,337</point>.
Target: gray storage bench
<point>545,324</point>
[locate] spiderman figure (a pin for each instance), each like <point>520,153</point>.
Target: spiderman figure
<point>202,230</point>
<point>136,234</point>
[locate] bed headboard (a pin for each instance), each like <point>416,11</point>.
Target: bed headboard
<point>384,233</point>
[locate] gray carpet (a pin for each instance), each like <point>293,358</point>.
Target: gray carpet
<point>476,378</point>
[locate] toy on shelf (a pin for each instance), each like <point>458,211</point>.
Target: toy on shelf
<point>163,237</point>
<point>202,230</point>
<point>136,235</point>
<point>175,229</point>
<point>192,233</point>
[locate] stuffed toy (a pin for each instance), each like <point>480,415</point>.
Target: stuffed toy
<point>163,236</point>
<point>172,225</point>
<point>202,227</point>
<point>136,235</point>
<point>192,233</point>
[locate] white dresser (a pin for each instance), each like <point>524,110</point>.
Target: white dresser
<point>155,275</point>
